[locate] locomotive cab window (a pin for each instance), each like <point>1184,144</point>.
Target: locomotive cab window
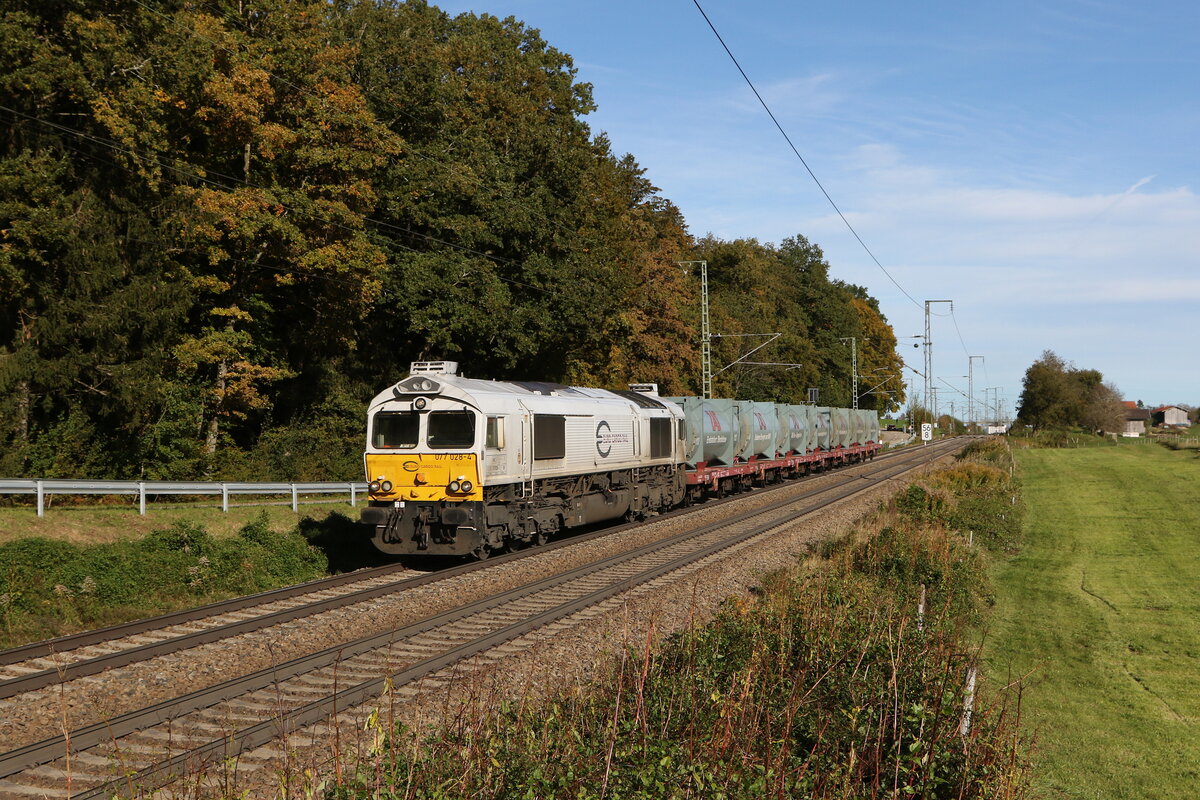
<point>494,437</point>
<point>451,430</point>
<point>396,429</point>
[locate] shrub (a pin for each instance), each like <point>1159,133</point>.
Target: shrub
<point>178,566</point>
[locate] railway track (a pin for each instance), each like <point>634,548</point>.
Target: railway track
<point>47,663</point>
<point>152,746</point>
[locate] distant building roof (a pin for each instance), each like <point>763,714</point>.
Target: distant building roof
<point>1134,414</point>
<point>1129,404</point>
<point>1164,408</point>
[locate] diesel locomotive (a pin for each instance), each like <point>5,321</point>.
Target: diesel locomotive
<point>460,466</point>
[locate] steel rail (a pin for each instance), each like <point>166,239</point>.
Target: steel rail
<point>92,666</point>
<point>91,736</point>
<point>319,710</point>
<point>73,641</point>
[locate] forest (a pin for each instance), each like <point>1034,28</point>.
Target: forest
<point>225,225</point>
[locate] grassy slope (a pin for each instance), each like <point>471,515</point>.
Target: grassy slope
<point>92,566</point>
<point>1101,607</point>
<point>87,524</point>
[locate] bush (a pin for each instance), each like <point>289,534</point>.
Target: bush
<point>53,586</point>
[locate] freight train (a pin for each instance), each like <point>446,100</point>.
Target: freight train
<point>459,466</point>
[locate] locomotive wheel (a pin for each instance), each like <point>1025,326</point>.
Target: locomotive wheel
<point>481,553</point>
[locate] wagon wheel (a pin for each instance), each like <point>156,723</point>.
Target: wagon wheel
<point>481,552</point>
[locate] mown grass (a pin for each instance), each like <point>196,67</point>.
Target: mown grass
<point>828,683</point>
<point>1099,610</point>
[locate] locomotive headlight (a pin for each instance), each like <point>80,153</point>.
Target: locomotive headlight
<point>454,486</point>
<point>420,403</point>
<point>386,486</point>
<point>466,487</point>
<point>374,486</point>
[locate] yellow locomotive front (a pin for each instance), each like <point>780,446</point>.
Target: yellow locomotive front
<point>408,459</point>
<point>422,466</point>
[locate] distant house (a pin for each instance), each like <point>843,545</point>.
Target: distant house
<point>1135,419</point>
<point>1169,415</point>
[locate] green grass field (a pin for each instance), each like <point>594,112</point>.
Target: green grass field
<point>1101,610</point>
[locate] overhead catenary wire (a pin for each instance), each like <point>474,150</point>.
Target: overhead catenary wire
<point>796,151</point>
<point>954,319</point>
<point>815,180</point>
<point>955,388</point>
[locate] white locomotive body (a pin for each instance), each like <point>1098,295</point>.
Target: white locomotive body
<point>458,466</point>
<point>464,466</point>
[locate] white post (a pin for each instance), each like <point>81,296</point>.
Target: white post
<point>41,499</point>
<point>353,496</point>
<point>921,610</point>
<point>968,703</point>
<point>295,506</point>
<point>142,498</point>
<point>224,498</point>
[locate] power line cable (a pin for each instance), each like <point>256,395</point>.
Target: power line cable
<point>955,388</point>
<point>808,169</point>
<point>954,319</point>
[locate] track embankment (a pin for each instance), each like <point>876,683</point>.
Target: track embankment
<point>516,625</point>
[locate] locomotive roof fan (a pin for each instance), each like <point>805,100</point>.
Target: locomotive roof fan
<point>433,368</point>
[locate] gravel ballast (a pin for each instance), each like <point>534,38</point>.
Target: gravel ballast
<point>573,651</point>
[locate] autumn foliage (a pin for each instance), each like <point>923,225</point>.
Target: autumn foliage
<point>224,226</point>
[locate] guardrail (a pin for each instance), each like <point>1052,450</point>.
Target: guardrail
<point>47,488</point>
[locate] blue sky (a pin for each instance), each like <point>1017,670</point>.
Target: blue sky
<point>1033,161</point>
